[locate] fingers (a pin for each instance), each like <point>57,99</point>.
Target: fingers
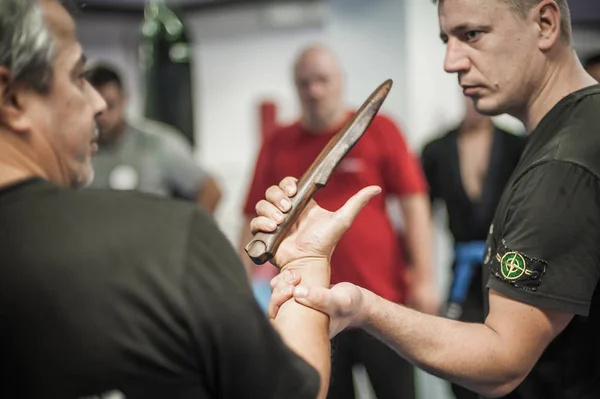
<point>318,298</point>
<point>277,282</point>
<point>284,279</point>
<point>278,197</point>
<point>282,287</point>
<point>353,206</point>
<point>269,217</point>
<point>289,186</point>
<point>270,210</point>
<point>278,298</point>
<point>262,223</point>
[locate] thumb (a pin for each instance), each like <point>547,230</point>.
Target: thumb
<point>346,214</point>
<point>317,298</point>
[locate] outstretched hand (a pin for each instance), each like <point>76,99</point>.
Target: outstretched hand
<point>316,232</point>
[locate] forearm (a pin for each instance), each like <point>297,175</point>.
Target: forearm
<point>469,354</point>
<point>209,195</point>
<point>419,235</point>
<point>304,330</point>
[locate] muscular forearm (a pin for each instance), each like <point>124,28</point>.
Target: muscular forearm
<point>419,235</point>
<point>304,330</point>
<point>472,355</point>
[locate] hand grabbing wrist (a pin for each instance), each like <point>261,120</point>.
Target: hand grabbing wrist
<point>363,314</point>
<point>312,271</point>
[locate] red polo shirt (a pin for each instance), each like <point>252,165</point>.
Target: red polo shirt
<point>370,254</point>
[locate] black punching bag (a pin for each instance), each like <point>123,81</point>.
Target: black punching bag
<point>165,60</point>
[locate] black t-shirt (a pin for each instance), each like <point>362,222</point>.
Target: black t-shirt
<point>123,295</point>
<point>543,247</point>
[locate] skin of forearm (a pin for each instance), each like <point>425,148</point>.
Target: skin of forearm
<point>419,235</point>
<point>469,354</point>
<point>304,330</point>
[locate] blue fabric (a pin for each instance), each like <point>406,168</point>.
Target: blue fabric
<point>262,292</point>
<point>468,256</point>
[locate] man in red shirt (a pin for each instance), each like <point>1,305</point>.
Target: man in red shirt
<point>370,253</point>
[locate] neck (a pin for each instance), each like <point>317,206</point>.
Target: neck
<point>18,161</point>
<point>470,128</point>
<point>321,126</point>
<point>559,81</point>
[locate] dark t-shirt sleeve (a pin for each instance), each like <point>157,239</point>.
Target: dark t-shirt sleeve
<point>236,348</point>
<point>551,232</point>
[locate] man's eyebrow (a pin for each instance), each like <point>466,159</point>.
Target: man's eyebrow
<point>460,29</point>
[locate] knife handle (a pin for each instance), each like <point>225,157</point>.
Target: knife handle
<point>263,246</point>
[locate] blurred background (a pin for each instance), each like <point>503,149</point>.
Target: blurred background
<point>220,72</point>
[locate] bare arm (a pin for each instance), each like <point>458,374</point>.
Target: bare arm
<point>491,358</point>
<point>416,211</point>
<point>209,195</point>
<point>305,330</point>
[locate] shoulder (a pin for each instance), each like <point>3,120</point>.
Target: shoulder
<point>143,208</point>
<point>579,139</point>
<point>284,135</point>
<point>158,133</point>
<point>515,142</point>
<point>385,133</point>
<point>138,218</point>
<point>556,179</point>
<point>510,136</point>
<point>385,124</point>
<point>125,228</point>
<point>439,143</point>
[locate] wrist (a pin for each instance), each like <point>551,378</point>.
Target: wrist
<point>365,311</point>
<point>313,271</point>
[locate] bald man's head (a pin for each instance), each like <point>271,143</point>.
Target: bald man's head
<point>319,82</point>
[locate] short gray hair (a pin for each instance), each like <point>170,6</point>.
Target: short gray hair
<point>522,7</point>
<point>27,47</point>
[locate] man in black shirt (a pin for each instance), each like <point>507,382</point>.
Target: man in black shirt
<point>467,169</point>
<point>542,257</point>
<point>121,295</point>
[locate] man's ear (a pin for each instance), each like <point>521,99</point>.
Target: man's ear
<point>548,18</point>
<point>12,99</point>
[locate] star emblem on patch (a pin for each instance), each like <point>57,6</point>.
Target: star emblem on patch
<point>517,268</point>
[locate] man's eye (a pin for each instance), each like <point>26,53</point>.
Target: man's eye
<point>472,35</point>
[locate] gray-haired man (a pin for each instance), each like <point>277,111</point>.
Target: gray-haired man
<point>116,294</point>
